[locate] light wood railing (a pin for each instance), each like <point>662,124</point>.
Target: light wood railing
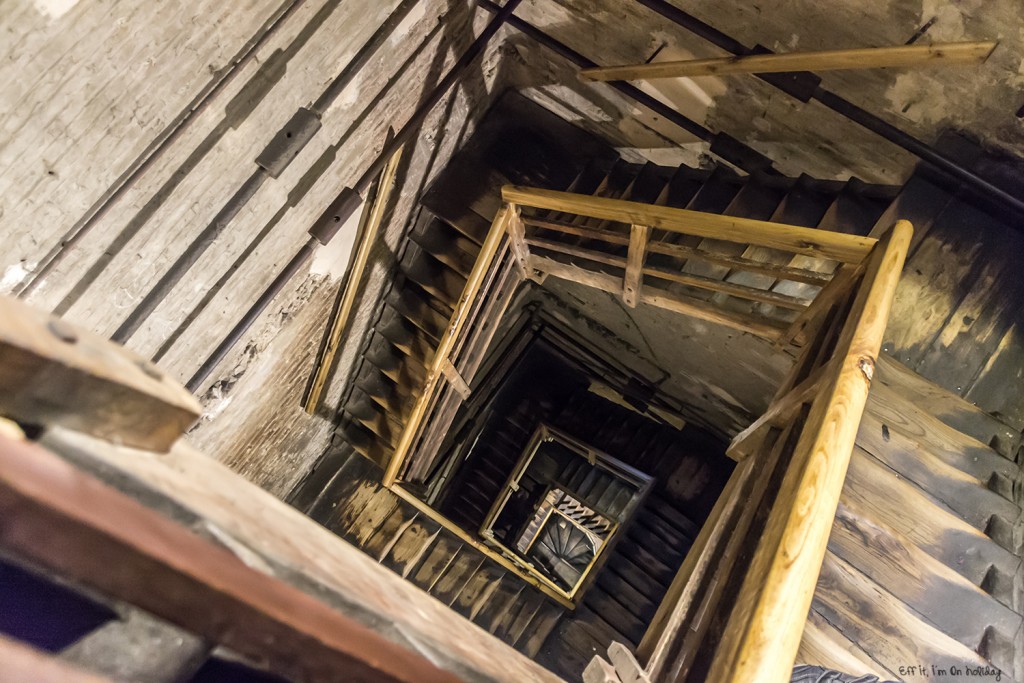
<point>737,608</point>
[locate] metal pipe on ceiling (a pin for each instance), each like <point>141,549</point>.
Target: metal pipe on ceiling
<point>349,199</point>
<point>845,108</point>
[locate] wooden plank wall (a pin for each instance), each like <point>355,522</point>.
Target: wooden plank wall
<point>957,318</point>
<point>89,92</point>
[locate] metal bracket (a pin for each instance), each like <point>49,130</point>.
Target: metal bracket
<point>288,142</point>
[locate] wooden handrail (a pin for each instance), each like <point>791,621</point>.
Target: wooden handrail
<point>458,321</point>
<point>763,632</point>
<point>799,240</point>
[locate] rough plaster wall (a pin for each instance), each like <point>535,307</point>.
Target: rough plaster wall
<point>800,138</point>
<point>253,421</point>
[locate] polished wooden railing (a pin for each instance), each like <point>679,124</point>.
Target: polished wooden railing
<point>737,608</point>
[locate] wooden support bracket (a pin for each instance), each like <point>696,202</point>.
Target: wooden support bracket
<point>54,373</point>
<point>517,240</point>
<point>780,411</point>
<point>455,379</point>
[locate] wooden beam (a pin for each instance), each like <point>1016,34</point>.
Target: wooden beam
<point>743,291</point>
<point>747,442</point>
<point>455,380</point>
<point>579,252</point>
<point>130,400</point>
<point>632,282</point>
<point>905,56</point>
<point>661,298</point>
<point>590,233</point>
<point>796,239</point>
<point>762,634</point>
<point>370,223</point>
<point>70,523</point>
<point>455,326</point>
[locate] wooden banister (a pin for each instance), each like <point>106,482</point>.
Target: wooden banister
<point>467,300</point>
<point>939,54</point>
<point>799,240</point>
<point>763,632</point>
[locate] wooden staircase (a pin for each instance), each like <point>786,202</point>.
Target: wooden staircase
<point>922,561</point>
<point>921,564</point>
<point>441,249</point>
<point>355,506</point>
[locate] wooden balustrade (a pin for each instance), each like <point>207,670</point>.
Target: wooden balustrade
<point>800,449</point>
<point>737,608</point>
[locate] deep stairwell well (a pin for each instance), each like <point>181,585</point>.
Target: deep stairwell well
<point>923,539</point>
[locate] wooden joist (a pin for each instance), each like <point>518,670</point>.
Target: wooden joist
<point>799,240</point>
<point>47,366</point>
<point>904,56</point>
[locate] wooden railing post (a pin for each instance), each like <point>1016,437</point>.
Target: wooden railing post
<point>763,632</point>
<point>633,280</point>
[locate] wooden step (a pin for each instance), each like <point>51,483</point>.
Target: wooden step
<point>884,626</point>
<point>540,627</point>
<point>433,276</point>
<point>418,307</point>
<point>945,599</point>
<point>962,494</point>
<point>958,450</point>
<point>946,406</point>
<point>447,245</point>
<point>874,492</point>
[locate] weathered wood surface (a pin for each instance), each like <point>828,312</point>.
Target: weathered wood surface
<point>124,60</point>
<point>884,626</point>
<point>284,537</point>
<point>164,568</point>
<point>947,407</point>
<point>48,365</point>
